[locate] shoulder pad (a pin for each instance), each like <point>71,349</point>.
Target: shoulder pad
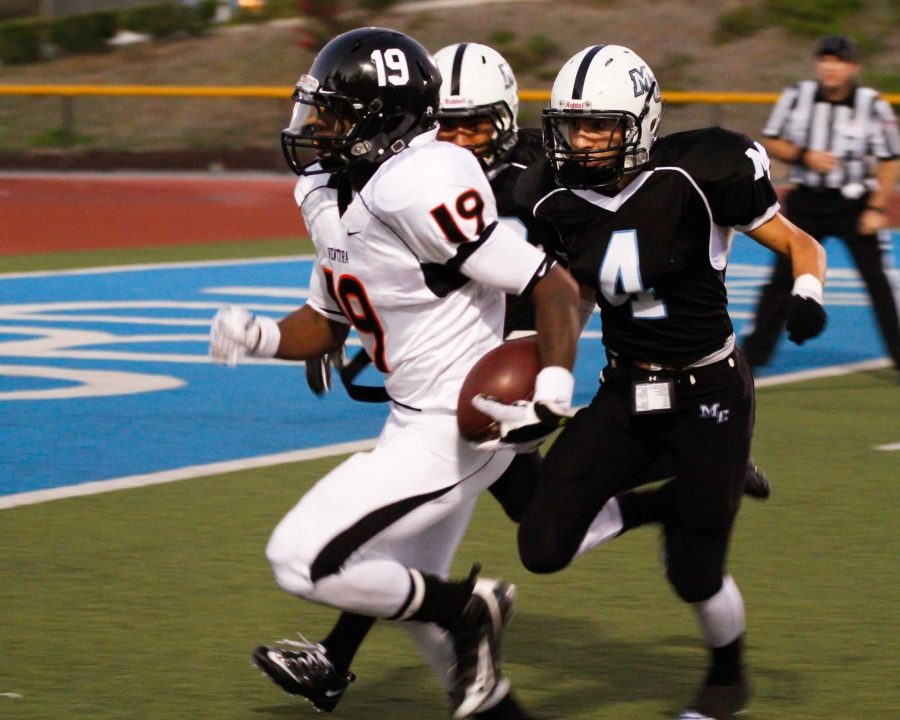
<point>306,184</point>
<point>534,183</point>
<point>528,148</point>
<point>708,155</point>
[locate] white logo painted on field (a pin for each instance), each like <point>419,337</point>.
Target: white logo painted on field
<point>31,331</point>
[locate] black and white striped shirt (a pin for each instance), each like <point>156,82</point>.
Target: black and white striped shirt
<point>858,131</point>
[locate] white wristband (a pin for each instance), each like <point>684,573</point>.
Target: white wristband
<point>808,286</point>
<point>554,384</point>
<point>269,337</point>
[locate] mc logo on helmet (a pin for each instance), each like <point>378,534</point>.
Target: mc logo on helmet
<point>642,79</point>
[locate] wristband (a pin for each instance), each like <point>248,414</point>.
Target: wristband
<point>875,208</point>
<point>808,286</point>
<point>269,337</point>
<point>554,384</point>
<point>800,155</point>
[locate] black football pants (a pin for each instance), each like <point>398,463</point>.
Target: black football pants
<point>605,447</point>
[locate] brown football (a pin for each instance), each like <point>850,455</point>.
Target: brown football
<point>507,373</point>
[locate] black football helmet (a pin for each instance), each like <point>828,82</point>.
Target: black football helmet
<point>368,92</point>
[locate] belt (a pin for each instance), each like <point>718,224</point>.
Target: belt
<point>624,363</point>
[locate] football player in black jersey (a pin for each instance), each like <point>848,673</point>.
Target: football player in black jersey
<point>478,111</point>
<point>646,227</point>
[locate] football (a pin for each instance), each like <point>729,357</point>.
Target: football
<point>507,373</point>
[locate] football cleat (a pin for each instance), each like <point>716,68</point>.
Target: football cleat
<point>756,484</point>
<point>476,679</point>
<point>718,702</point>
<point>303,668</point>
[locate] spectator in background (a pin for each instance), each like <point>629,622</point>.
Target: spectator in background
<point>842,144</point>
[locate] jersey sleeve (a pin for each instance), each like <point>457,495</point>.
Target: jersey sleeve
<point>319,207</point>
<point>440,204</point>
<point>735,180</point>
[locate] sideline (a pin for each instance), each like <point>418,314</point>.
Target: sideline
<point>186,473</point>
<point>826,372</point>
<point>196,471</point>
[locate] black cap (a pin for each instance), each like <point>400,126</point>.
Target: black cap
<point>838,45</point>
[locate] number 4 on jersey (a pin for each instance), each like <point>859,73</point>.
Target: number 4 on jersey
<point>620,278</point>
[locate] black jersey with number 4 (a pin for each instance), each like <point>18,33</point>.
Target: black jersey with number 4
<point>656,251</point>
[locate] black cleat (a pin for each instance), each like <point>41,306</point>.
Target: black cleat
<point>303,668</point>
<point>718,702</point>
<point>476,679</point>
<point>756,484</point>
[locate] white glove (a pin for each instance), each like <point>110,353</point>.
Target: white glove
<point>236,333</point>
<point>526,424</point>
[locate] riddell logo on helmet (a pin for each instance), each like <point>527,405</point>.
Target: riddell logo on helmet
<point>457,100</point>
<point>574,105</point>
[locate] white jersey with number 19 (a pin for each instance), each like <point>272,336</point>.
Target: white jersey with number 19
<point>419,265</point>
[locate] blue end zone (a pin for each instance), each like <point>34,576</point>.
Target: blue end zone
<point>140,335</point>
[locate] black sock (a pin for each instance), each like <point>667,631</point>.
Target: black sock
<point>506,709</point>
<point>646,506</point>
<point>726,663</point>
<point>345,638</point>
<point>443,602</point>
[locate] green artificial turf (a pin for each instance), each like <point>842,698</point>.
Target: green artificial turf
<point>146,603</point>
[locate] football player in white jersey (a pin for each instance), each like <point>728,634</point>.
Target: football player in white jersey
<point>409,252</point>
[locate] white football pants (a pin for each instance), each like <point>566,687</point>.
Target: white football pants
<point>405,504</point>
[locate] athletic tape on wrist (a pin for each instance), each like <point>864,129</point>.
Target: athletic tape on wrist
<point>808,286</point>
<point>554,384</point>
<point>269,337</point>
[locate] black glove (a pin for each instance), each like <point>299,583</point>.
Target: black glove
<point>318,374</point>
<point>318,370</point>
<point>805,319</point>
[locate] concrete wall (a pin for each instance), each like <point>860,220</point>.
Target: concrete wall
<point>61,8</point>
<point>18,8</point>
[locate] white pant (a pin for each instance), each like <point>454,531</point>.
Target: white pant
<point>407,503</point>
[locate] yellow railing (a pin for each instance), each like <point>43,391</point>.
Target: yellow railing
<point>268,91</point>
<point>248,91</point>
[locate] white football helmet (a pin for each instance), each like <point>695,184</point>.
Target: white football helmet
<point>602,82</point>
<point>477,81</point>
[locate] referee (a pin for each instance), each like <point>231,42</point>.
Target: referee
<point>842,144</point>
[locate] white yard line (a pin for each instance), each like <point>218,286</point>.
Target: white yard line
<point>196,471</point>
<point>833,371</point>
<point>187,473</point>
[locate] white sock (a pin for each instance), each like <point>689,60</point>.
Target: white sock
<point>721,617</point>
<point>605,526</point>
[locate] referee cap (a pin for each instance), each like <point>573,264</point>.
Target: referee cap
<point>838,45</point>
